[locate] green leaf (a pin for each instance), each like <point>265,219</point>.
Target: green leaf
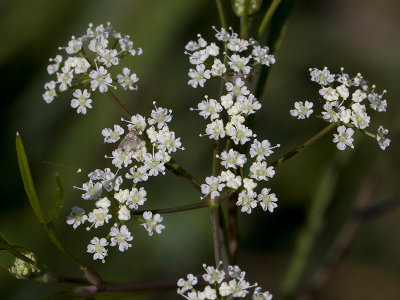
<point>27,179</point>
<point>6,245</point>
<point>57,204</point>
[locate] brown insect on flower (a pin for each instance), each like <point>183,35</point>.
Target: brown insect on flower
<point>131,141</point>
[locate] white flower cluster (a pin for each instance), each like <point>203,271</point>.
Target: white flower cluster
<point>90,58</point>
<point>219,285</point>
<point>21,269</point>
<point>209,62</point>
<point>346,101</point>
<point>142,153</point>
<point>235,106</point>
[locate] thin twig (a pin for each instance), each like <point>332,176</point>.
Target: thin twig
<point>221,13</point>
<point>233,234</point>
<point>119,104</point>
<point>201,204</point>
<point>303,146</point>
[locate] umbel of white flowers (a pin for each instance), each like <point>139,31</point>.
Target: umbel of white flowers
<point>235,105</point>
<point>346,101</point>
<point>220,285</point>
<point>89,66</point>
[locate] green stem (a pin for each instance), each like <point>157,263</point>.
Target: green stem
<point>215,168</point>
<point>221,13</point>
<point>201,204</point>
<point>233,234</point>
<point>244,21</point>
<point>215,230</point>
<point>304,145</point>
<point>175,168</point>
<point>267,18</point>
<point>119,104</point>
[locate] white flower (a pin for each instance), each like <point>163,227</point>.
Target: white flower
<point>79,64</point>
<point>329,93</point>
<point>343,91</point>
<point>225,289</point>
<point>161,116</point>
<point>210,293</point>
<point>100,79</point>
<point>124,213</point>
<point>98,216</point>
<point>127,79</point>
<point>261,56</point>
<point>209,108</point>
<point>108,57</point>
<point>74,46</point>
<point>137,197</point>
<point>238,89</point>
<point>359,117</point>
<point>238,133</point>
<point>50,93</point>
<point>345,115</point>
<point>103,203</point>
<point>212,49</point>
<point>323,77</point>
<point>239,288</point>
<point>376,102</point>
<point>383,141</point>
<point>121,157</point>
<point>212,187</point>
<point>76,217</point>
<point>235,272</point>
<point>123,196</point>
<point>152,223</point>
<point>248,105</point>
<point>261,149</point>
<point>218,68</point>
<point>92,190</point>
<point>227,101</point>
<point>267,200</point>
<point>237,45</point>
<point>120,237</point>
<point>344,137</point>
<point>168,142</point>
<point>232,181</point>
<point>247,200</point>
<point>259,171</point>
<point>81,101</point>
<point>213,275</point>
<point>215,130</point>
<point>358,96</point>
<point>199,76</point>
<point>138,122</point>
<point>97,246</point>
<point>232,159</point>
<point>137,174</point>
<point>332,111</point>
<point>257,295</point>
<point>249,184</point>
<point>65,80</point>
<point>186,285</point>
<point>52,68</point>
<point>239,64</point>
<point>224,35</point>
<point>154,163</point>
<point>302,111</point>
<point>111,136</point>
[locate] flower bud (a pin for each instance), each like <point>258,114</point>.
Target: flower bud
<point>24,270</point>
<point>238,7</point>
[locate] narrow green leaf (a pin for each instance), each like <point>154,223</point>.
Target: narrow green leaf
<point>57,204</point>
<point>6,245</point>
<point>27,179</point>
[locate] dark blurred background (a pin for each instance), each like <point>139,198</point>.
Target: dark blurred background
<point>362,36</point>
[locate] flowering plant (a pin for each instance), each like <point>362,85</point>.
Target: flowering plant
<point>115,199</point>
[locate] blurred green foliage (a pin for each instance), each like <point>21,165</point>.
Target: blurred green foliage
<point>362,36</point>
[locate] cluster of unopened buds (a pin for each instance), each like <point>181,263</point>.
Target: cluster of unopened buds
<point>141,153</point>
<point>228,115</point>
<point>88,65</point>
<point>219,285</point>
<point>346,102</point>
